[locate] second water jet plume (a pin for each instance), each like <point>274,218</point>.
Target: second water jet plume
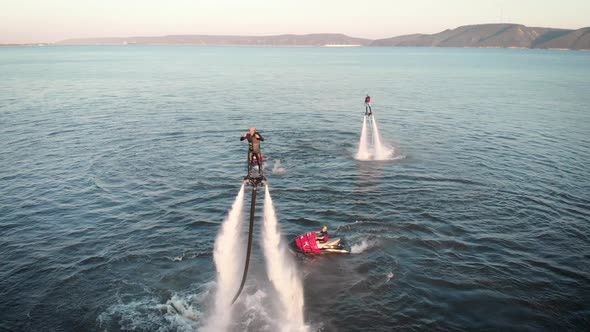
<point>281,269</point>
<point>382,152</point>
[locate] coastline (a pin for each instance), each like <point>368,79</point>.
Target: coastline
<point>294,46</point>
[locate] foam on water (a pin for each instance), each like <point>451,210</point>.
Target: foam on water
<point>363,246</point>
<point>146,314</point>
<point>179,306</point>
<point>257,315</point>
<point>389,276</point>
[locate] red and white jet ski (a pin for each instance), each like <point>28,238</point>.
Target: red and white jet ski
<point>307,243</point>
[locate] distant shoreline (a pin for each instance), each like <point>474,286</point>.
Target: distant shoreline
<point>494,35</point>
<point>297,46</point>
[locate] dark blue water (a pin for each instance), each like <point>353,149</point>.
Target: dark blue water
<point>118,165</point>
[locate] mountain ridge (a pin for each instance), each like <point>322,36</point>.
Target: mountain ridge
<point>493,35</point>
<point>501,35</point>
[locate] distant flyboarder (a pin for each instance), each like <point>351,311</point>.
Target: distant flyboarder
<point>368,110</point>
<point>254,139</point>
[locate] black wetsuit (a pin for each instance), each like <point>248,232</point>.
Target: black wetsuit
<point>253,150</point>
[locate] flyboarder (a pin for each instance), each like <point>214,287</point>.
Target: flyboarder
<point>368,110</point>
<point>254,138</point>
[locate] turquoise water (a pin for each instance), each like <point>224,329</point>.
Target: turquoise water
<point>119,164</point>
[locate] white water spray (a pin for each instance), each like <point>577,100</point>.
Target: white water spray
<point>363,151</point>
<point>278,169</point>
<point>281,270</point>
<point>363,246</point>
<point>381,152</point>
<point>228,257</point>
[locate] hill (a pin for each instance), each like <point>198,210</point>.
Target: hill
<point>482,35</point>
<point>574,40</point>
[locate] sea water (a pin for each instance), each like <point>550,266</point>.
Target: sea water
<point>119,164</point>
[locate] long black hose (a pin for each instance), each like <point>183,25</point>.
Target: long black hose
<point>251,230</point>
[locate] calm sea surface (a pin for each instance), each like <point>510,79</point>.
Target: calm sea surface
<point>118,165</point>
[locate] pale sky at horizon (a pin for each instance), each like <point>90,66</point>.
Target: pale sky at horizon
<point>30,21</point>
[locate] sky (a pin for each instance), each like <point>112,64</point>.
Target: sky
<point>41,21</point>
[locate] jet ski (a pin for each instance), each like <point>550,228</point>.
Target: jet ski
<point>307,243</point>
